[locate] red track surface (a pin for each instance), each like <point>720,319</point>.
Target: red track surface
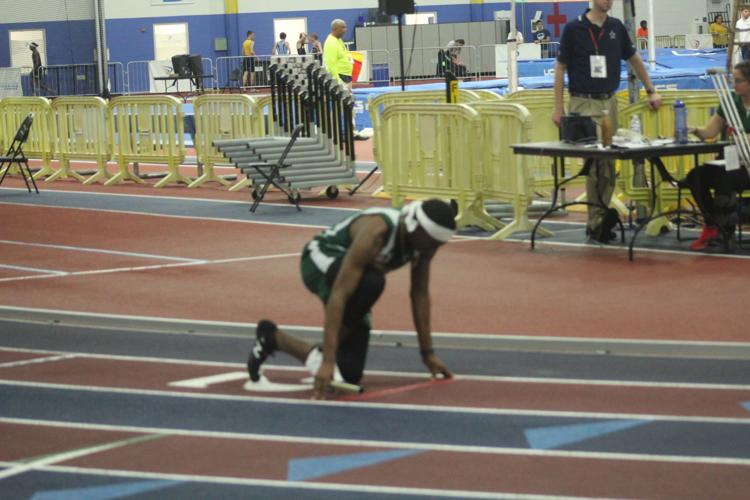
<point>479,394</point>
<point>196,456</point>
<point>477,286</point>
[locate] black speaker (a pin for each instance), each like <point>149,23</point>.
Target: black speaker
<point>396,7</point>
<point>181,65</point>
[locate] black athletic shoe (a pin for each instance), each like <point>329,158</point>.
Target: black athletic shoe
<point>599,237</point>
<point>265,345</point>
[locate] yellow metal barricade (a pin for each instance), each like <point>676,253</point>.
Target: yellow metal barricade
<point>505,177</point>
<point>40,144</point>
<point>264,118</point>
<point>433,153</point>
<point>700,104</point>
<point>488,95</point>
<point>2,133</point>
<point>82,125</point>
<point>376,106</point>
<point>147,129</point>
<point>221,117</point>
<point>263,126</point>
<point>541,105</point>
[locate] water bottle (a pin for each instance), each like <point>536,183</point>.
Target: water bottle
<point>680,122</point>
<point>635,127</point>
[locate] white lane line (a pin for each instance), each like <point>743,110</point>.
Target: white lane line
<point>173,198</point>
<point>316,486</point>
<point>381,406</point>
<point>369,443</point>
<point>33,270</point>
<point>415,375</point>
<point>684,253</point>
<point>25,362</point>
<point>152,267</point>
<point>636,249</point>
<point>378,334</point>
<point>22,467</point>
<point>99,250</point>
<point>169,216</point>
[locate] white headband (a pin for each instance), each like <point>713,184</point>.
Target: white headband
<point>414,215</point>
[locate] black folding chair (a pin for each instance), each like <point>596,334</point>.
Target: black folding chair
<point>15,155</point>
<point>271,172</point>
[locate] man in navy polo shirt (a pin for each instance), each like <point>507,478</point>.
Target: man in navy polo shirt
<point>591,49</point>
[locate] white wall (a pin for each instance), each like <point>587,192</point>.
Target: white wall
<point>671,17</point>
<point>132,9</point>
<point>128,9</point>
<point>305,5</point>
<point>35,11</point>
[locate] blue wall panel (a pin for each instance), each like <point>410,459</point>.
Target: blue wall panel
<point>132,39</point>
<point>68,42</point>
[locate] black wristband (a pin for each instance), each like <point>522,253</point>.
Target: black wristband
<point>426,352</point>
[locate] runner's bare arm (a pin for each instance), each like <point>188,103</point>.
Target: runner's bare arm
<point>368,238</point>
<point>420,306</point>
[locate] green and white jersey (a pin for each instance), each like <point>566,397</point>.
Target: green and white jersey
<point>333,243</point>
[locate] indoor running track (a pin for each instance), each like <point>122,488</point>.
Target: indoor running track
<point>154,425</point>
<point>124,413</point>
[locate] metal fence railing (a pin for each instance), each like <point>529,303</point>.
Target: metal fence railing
<point>488,56</point>
<point>663,42</point>
<point>71,79</point>
<point>208,69</point>
<point>378,72</point>
<point>550,50</point>
<point>678,41</point>
<point>117,78</point>
<point>432,62</point>
<point>139,81</point>
<point>239,72</point>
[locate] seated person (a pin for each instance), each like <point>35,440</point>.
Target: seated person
<point>453,60</point>
<point>642,35</point>
<point>720,208</point>
<point>643,30</point>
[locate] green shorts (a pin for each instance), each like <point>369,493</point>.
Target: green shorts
<point>314,278</point>
<point>320,284</point>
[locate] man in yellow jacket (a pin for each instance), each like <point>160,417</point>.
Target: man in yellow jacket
<point>336,57</point>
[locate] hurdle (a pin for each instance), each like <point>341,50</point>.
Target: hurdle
<point>302,94</point>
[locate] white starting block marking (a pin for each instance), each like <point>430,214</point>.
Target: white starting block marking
<point>204,382</point>
<point>263,385</point>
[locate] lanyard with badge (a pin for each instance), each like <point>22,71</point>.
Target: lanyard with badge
<point>598,62</point>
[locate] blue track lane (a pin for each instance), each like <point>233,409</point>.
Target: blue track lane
<point>176,206</point>
<point>347,421</point>
<point>380,357</point>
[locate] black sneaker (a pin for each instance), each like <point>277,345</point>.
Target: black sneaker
<point>265,345</point>
<point>598,237</point>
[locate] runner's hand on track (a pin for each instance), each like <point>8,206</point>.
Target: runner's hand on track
<point>436,366</point>
<point>322,380</point>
